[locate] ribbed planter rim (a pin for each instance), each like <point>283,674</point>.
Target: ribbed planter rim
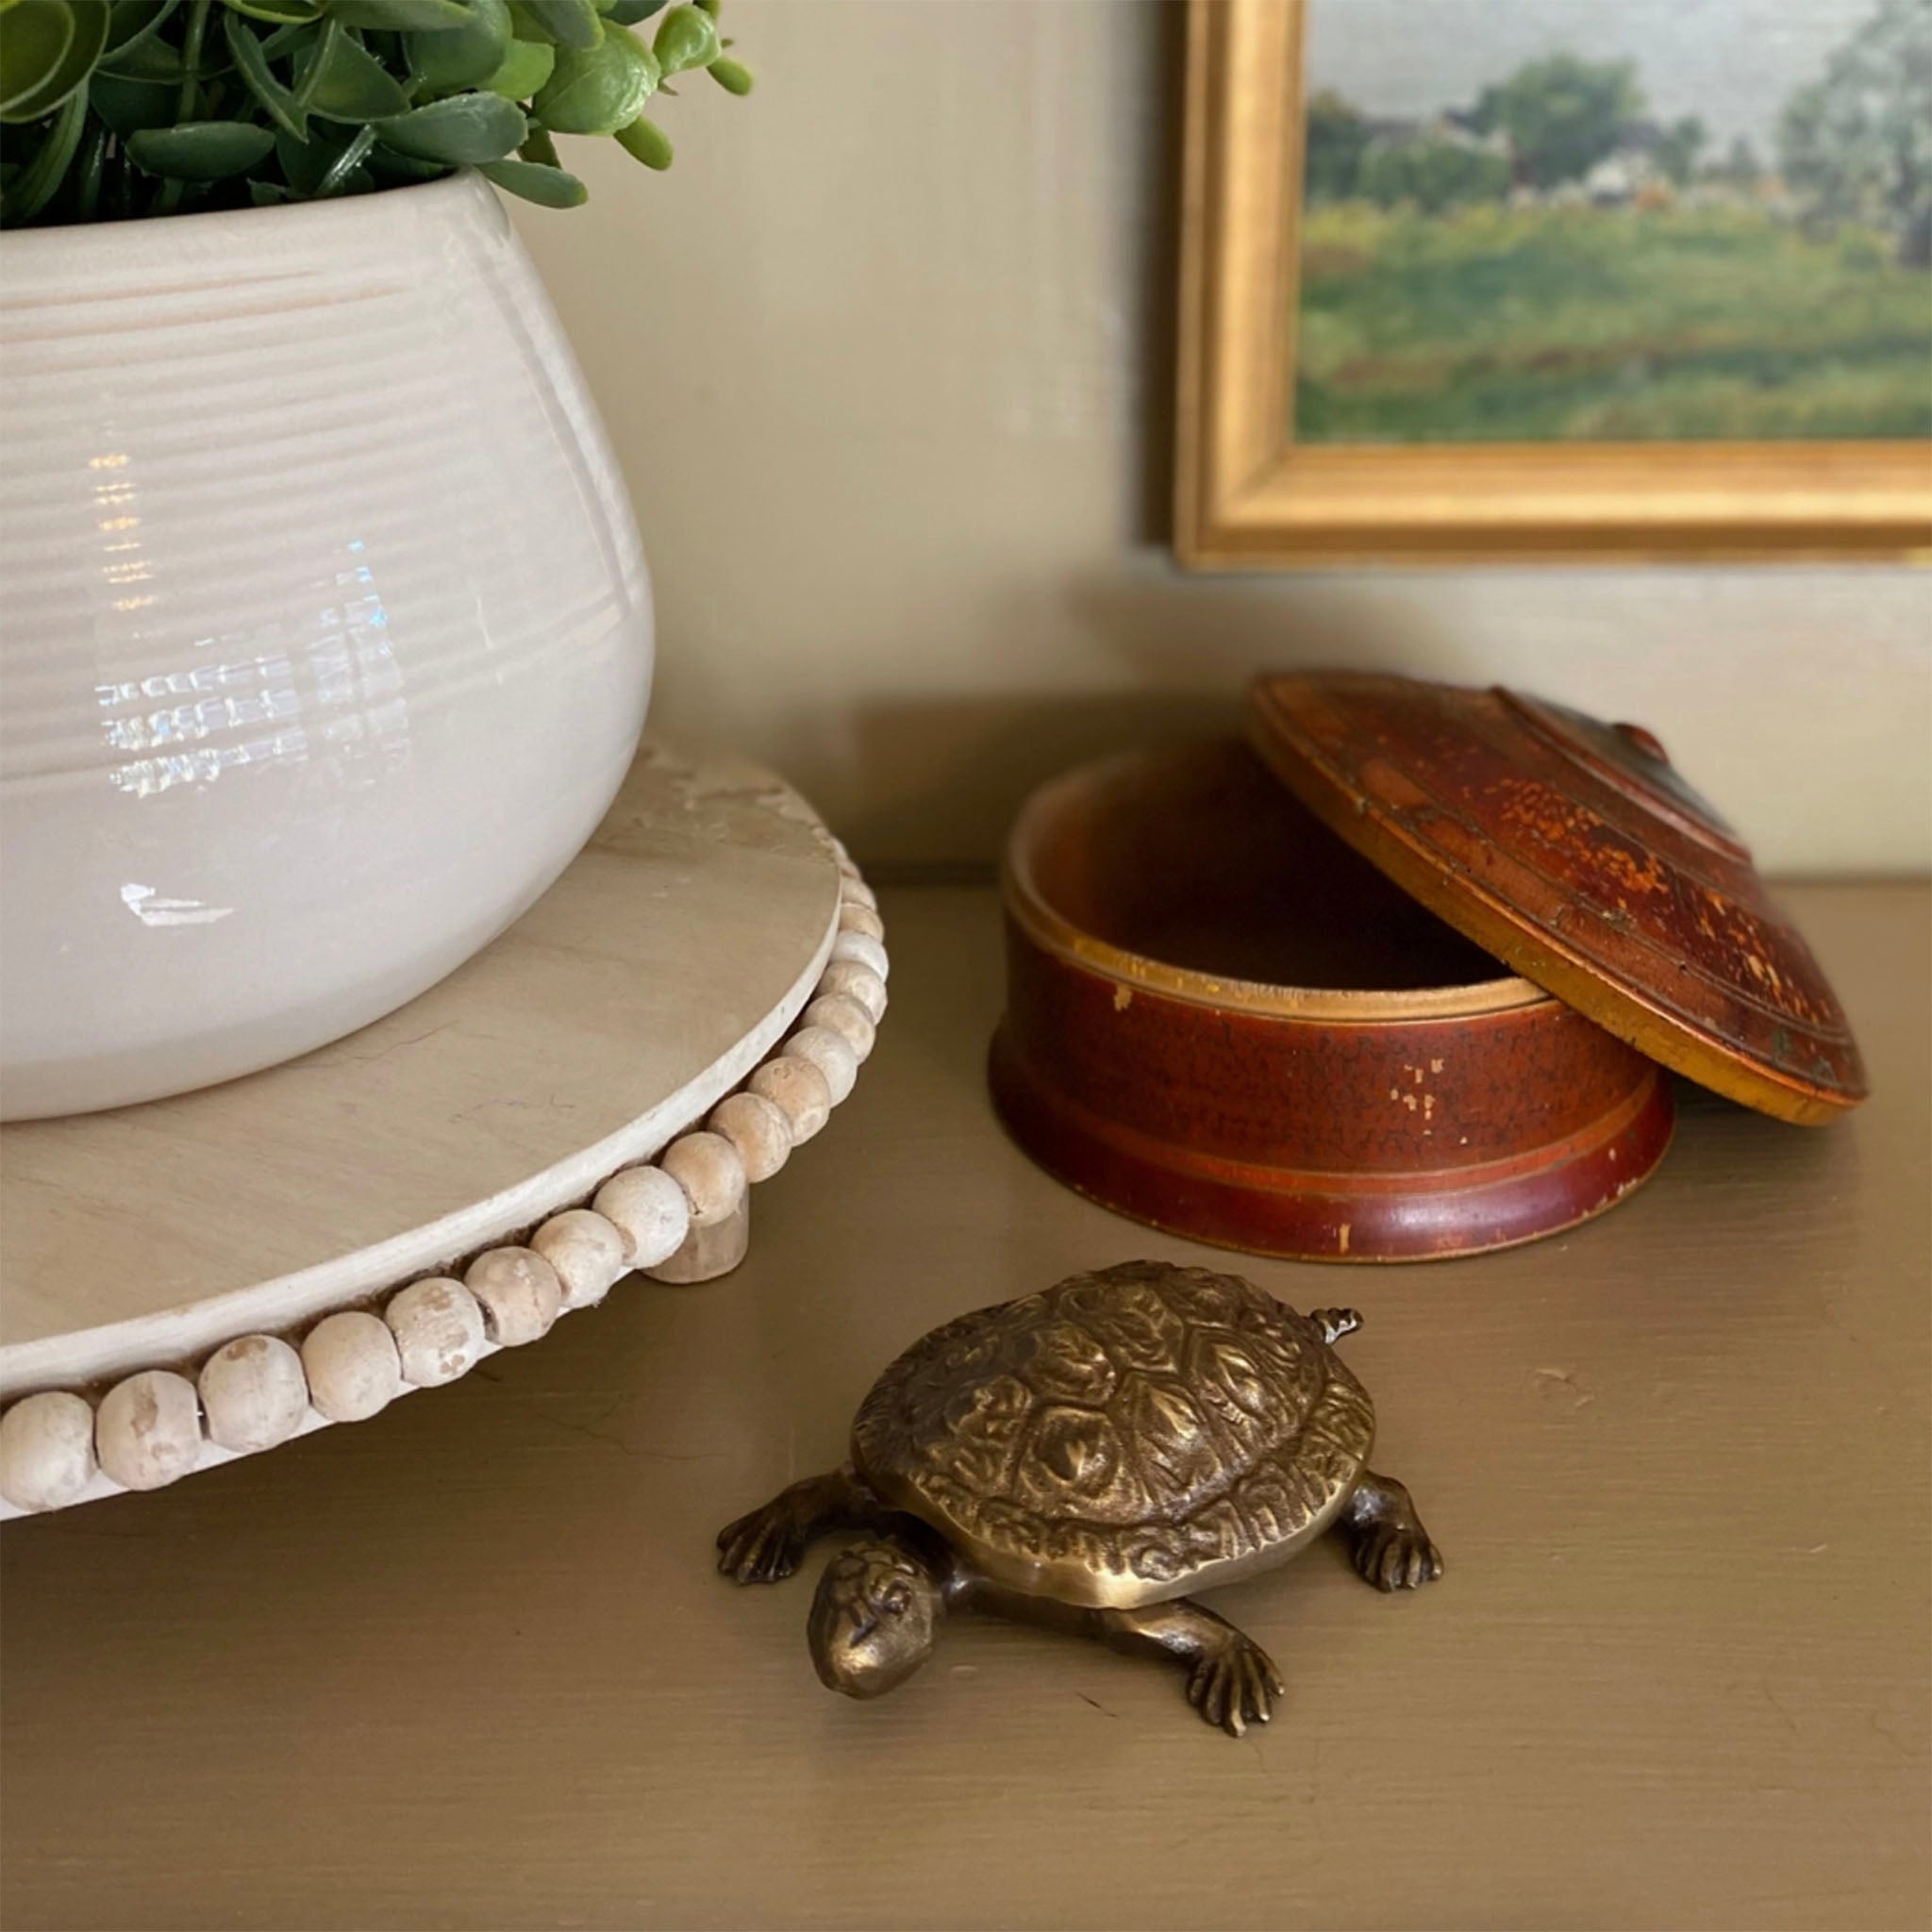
<point>172,232</point>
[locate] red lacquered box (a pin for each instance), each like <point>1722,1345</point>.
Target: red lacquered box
<point>1301,997</point>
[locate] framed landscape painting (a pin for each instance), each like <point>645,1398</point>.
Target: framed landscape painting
<point>1468,278</point>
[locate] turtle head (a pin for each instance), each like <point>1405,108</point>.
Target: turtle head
<point>874,1618</point>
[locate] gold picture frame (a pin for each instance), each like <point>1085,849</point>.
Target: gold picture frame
<point>1248,496</point>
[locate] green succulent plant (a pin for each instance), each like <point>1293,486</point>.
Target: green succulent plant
<point>113,109</point>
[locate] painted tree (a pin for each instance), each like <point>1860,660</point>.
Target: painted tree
<point>1562,115</point>
<point>1678,151</point>
<point>1338,135</point>
<point>1858,144</point>
<point>1433,174</point>
<point>1740,165</point>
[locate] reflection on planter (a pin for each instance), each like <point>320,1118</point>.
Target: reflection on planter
<point>342,691</point>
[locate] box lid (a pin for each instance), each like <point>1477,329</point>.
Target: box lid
<point>1574,852</point>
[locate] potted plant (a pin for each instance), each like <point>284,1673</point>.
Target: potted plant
<point>325,626</point>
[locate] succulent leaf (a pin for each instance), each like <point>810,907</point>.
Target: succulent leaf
<point>134,20</point>
<point>35,36</point>
<point>466,55</point>
<point>533,181</point>
<point>599,91</point>
<point>565,22</point>
<point>125,105</point>
<point>280,12</point>
<point>525,70</point>
<point>259,78</point>
<point>400,16</point>
<point>69,73</point>
<point>199,150</point>
<point>686,37</point>
<point>463,129</point>
<point>645,141</point>
<point>34,186</point>
<point>343,80</point>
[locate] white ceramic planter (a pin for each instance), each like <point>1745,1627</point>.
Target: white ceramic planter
<point>324,628</point>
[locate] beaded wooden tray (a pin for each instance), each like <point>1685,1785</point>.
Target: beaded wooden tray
<point>212,1275</point>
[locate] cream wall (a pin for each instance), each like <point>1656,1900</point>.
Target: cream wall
<point>886,360</point>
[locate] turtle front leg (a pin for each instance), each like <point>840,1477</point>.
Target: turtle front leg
<point>1391,1549</point>
<point>1231,1680</point>
<point>769,1543</point>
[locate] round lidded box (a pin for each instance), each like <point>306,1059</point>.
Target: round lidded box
<point>1231,1015</point>
<point>1222,1021</point>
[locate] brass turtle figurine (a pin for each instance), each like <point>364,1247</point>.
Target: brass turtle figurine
<point>1081,1458</point>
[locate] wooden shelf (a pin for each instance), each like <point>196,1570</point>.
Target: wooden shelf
<point>466,1664</point>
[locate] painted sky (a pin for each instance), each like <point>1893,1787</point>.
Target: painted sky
<point>1731,62</point>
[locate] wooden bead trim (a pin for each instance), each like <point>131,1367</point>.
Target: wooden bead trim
<point>59,1446</point>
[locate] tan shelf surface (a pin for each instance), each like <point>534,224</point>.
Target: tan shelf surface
<point>467,1665</point>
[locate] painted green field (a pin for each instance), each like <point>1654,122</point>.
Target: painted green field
<point>1491,324</point>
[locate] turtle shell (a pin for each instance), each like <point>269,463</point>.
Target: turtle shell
<point>1123,1437</point>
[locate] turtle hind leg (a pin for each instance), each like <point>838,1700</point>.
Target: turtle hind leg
<point>1231,1680</point>
<point>1390,1547</point>
<point>769,1543</point>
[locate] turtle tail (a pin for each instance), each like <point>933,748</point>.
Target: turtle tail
<point>1336,1322</point>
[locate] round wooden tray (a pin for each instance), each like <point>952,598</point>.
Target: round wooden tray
<point>204,1275</point>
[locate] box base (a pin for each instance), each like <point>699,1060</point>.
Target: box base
<point>1311,1216</point>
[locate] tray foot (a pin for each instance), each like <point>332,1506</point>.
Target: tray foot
<point>709,1251</point>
